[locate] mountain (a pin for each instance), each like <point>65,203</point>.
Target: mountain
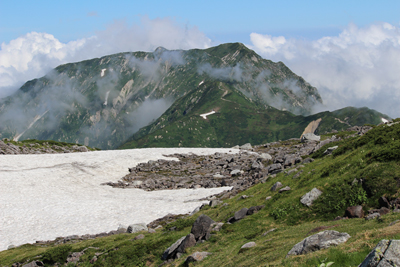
<point>103,101</point>
<point>235,119</point>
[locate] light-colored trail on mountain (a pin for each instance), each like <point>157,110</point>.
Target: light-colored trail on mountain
<point>46,196</point>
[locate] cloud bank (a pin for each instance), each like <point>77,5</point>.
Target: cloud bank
<point>34,54</point>
<point>359,67</point>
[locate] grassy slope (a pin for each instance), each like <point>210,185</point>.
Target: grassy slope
<point>238,120</point>
<point>373,157</point>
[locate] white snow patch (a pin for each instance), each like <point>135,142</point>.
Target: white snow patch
<point>105,101</point>
<point>384,120</point>
<point>201,83</point>
<point>103,71</point>
<point>204,116</point>
<point>37,117</point>
<point>50,195</point>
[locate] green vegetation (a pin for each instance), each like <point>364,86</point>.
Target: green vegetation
<point>351,176</point>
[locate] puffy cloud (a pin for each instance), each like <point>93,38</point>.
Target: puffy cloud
<point>359,67</point>
<point>34,54</point>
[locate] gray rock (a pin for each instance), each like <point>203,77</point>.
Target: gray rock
<point>286,188</point>
<point>276,186</point>
<point>274,168</point>
<point>354,212</point>
<point>319,241</point>
<point>236,172</point>
<point>169,252</point>
<point>265,156</point>
<point>254,209</point>
<point>138,237</point>
<point>268,198</point>
<point>372,216</point>
<point>196,256</point>
<point>307,160</point>
<point>309,137</point>
<point>215,202</point>
<point>134,228</point>
<point>202,227</point>
<point>240,214</point>
<point>249,245</point>
<point>386,253</point>
<point>33,264</point>
<point>310,197</point>
<point>246,146</point>
<point>329,150</point>
<point>257,165</point>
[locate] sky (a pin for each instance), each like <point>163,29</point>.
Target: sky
<point>348,50</point>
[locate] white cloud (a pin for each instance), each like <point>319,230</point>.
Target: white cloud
<point>34,54</point>
<point>359,67</point>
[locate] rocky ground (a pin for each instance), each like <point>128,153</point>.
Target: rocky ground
<point>251,166</point>
<point>9,148</point>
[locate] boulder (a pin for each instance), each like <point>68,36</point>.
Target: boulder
<point>169,253</point>
<point>310,197</point>
<point>276,186</point>
<point>133,228</point>
<point>286,188</point>
<point>254,209</point>
<point>274,168</point>
<point>246,146</point>
<point>265,156</point>
<point>383,202</point>
<point>329,150</point>
<point>201,227</point>
<point>309,137</point>
<point>236,172</point>
<point>249,245</point>
<point>215,202</point>
<point>196,256</point>
<point>319,241</point>
<point>386,253</point>
<point>240,214</point>
<point>354,212</point>
<point>33,264</point>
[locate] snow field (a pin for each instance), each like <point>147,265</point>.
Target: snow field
<point>50,195</point>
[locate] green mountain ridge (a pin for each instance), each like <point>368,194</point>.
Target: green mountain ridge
<point>103,101</point>
<point>237,120</point>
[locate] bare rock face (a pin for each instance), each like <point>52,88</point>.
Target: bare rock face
<point>319,241</point>
<point>386,253</point>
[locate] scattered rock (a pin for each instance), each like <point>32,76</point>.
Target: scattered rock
<point>33,264</point>
<point>134,228</point>
<point>240,214</point>
<point>138,237</point>
<point>196,256</point>
<point>268,198</point>
<point>329,150</point>
<point>202,227</point>
<point>170,253</point>
<point>254,209</point>
<point>286,188</point>
<point>354,212</point>
<point>276,186</point>
<point>269,231</point>
<point>319,241</point>
<point>310,197</point>
<point>309,137</point>
<point>372,216</point>
<point>246,146</point>
<point>249,245</point>
<point>386,253</point>
<point>215,202</point>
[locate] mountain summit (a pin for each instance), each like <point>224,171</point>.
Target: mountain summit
<point>101,102</point>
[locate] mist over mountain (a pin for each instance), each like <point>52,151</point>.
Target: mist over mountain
<point>101,102</point>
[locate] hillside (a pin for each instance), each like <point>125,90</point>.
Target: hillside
<point>363,171</point>
<point>103,101</point>
<point>237,120</point>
